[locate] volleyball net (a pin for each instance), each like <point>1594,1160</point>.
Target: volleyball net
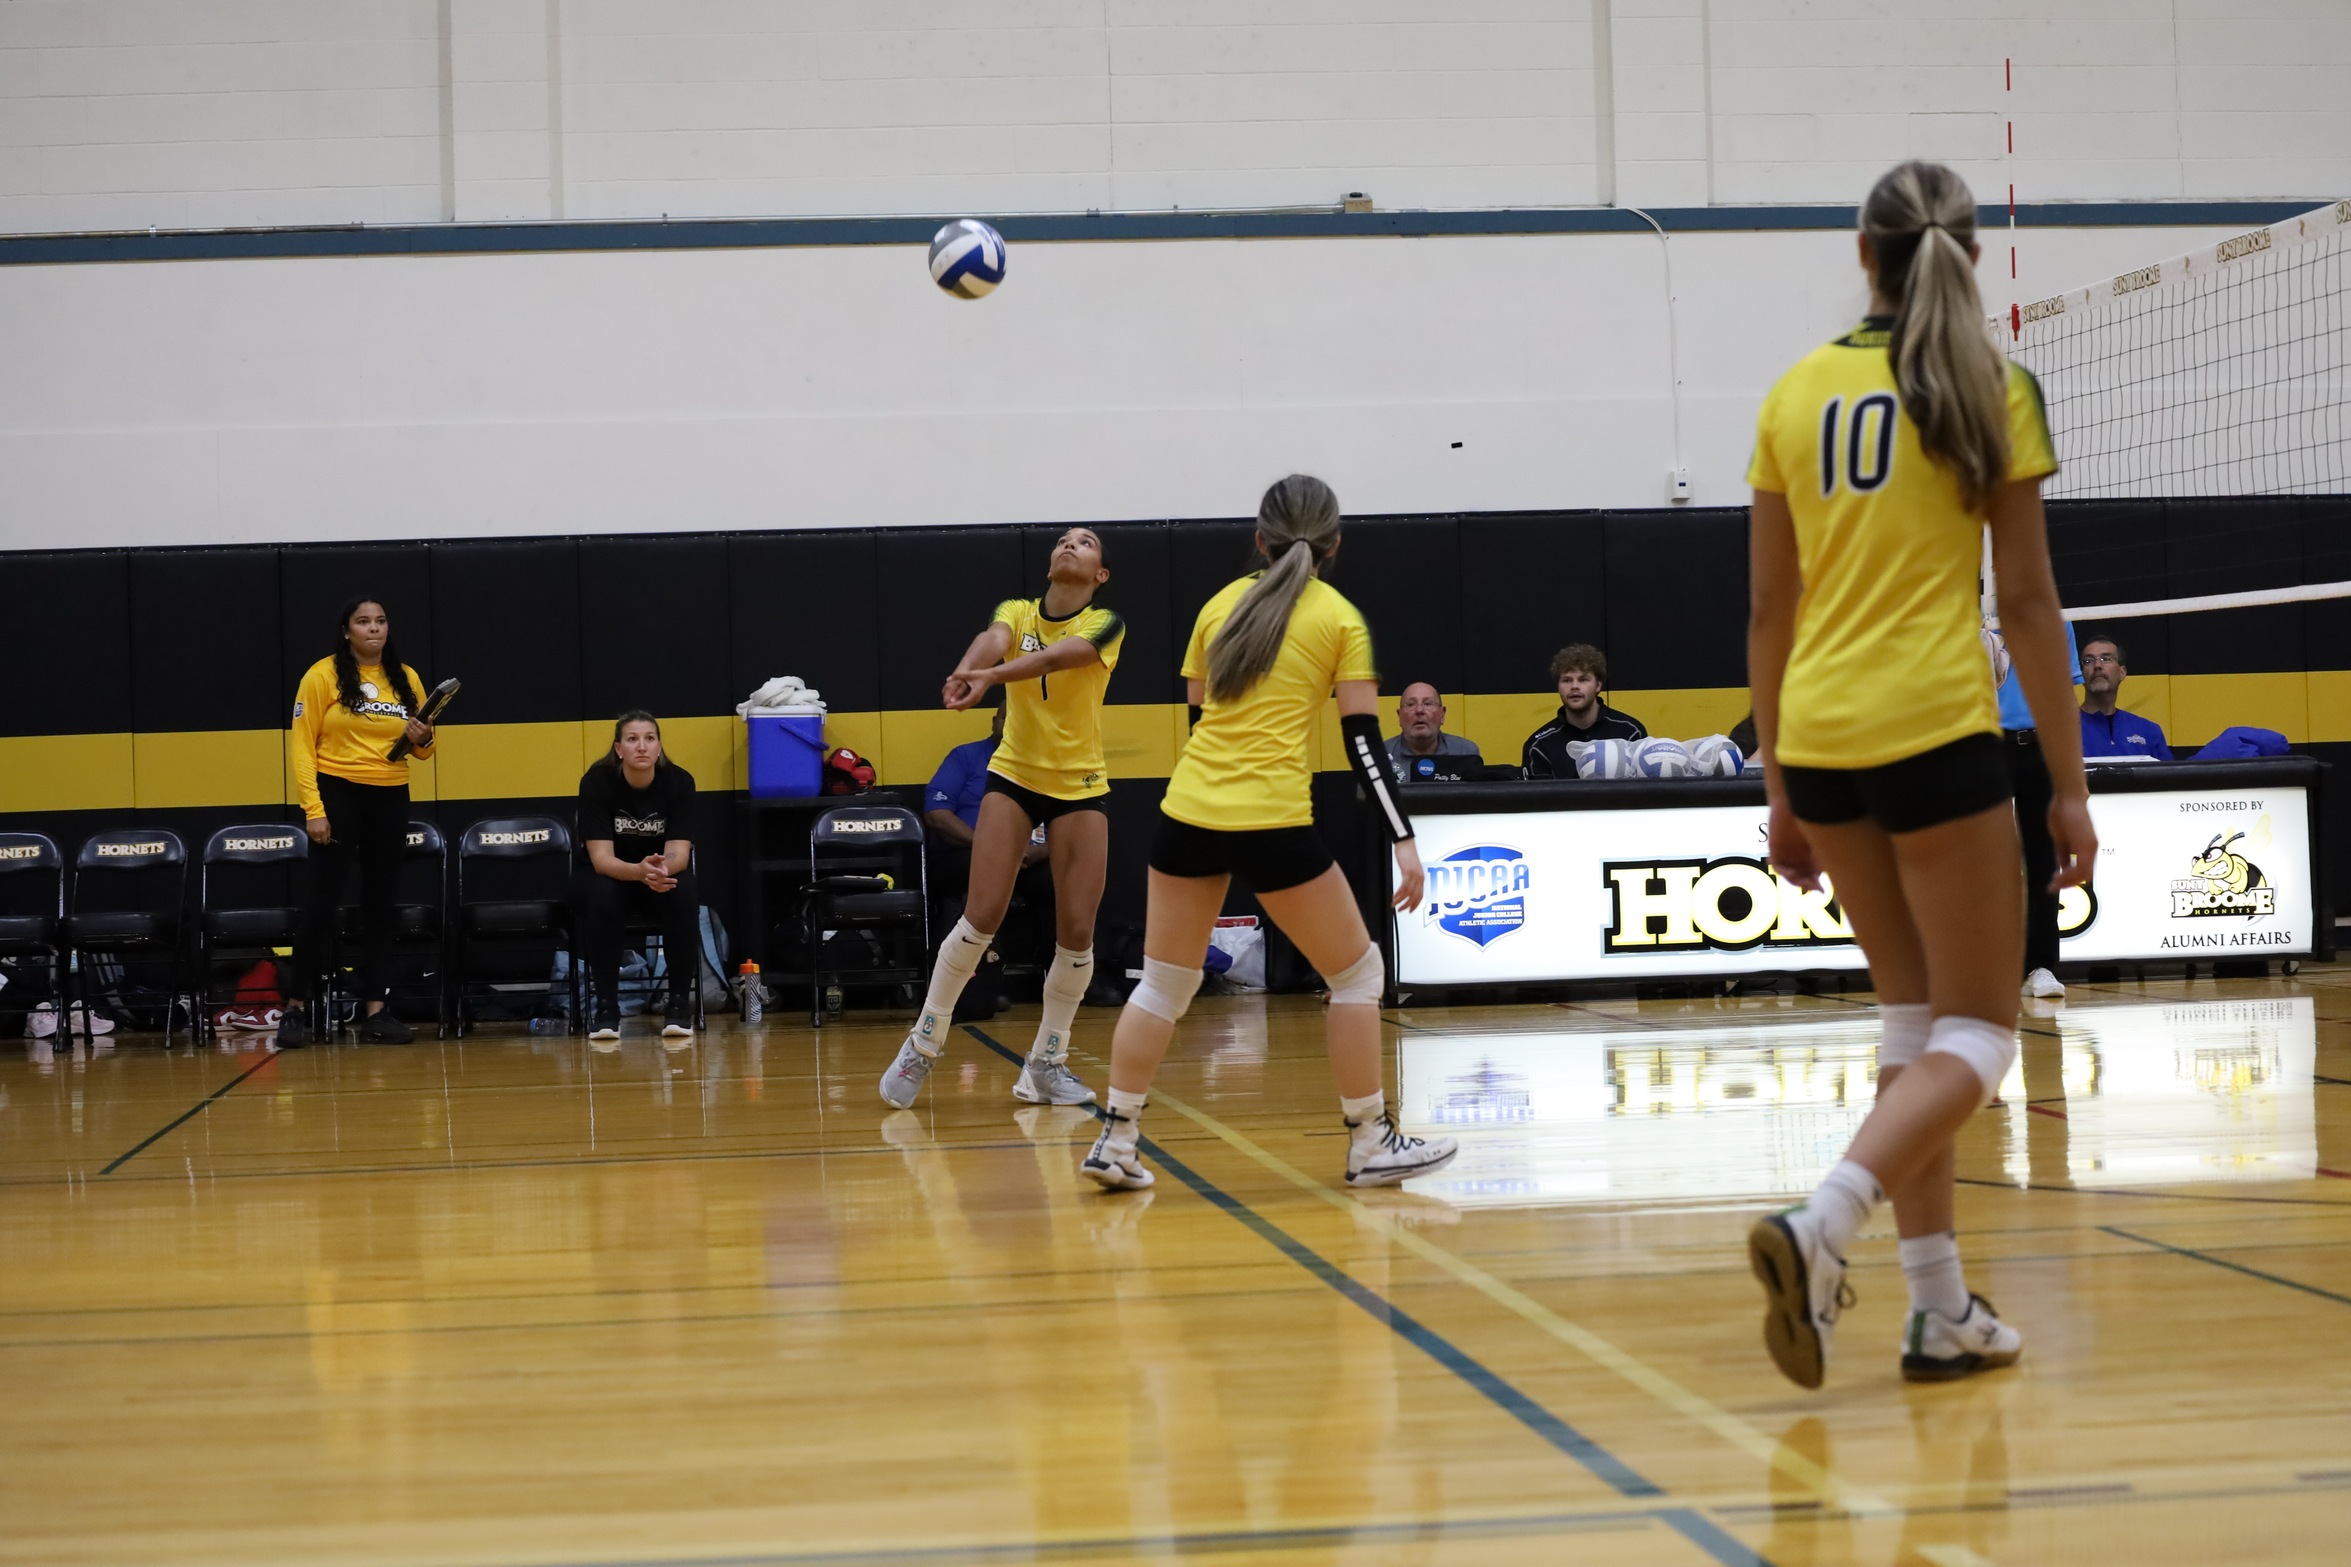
<point>2226,372</point>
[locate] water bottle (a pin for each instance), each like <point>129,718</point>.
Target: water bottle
<point>753,1002</point>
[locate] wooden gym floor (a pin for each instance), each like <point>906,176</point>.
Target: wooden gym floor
<point>515,1300</point>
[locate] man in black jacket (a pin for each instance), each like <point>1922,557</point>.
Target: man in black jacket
<point>1582,673</point>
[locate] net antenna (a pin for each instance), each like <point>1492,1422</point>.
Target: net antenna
<point>2223,372</point>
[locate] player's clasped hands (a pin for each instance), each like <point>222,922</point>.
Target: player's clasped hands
<point>966,686</point>
<point>657,876</point>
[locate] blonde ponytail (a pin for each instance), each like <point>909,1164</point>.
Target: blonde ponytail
<point>1299,522</point>
<point>1920,219</point>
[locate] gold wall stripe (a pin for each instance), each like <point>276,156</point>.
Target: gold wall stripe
<point>181,769</point>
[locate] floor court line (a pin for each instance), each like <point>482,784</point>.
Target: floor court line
<point>1606,1466</point>
<point>2233,1267</point>
<point>187,1115</point>
<point>1823,1482</point>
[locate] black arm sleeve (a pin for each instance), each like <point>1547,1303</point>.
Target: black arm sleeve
<point>1369,758</point>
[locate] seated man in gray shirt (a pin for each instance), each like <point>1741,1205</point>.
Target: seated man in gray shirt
<point>1420,716</point>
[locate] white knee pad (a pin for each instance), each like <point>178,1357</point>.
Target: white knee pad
<point>1984,1046</point>
<point>1904,1037</point>
<point>1361,982</point>
<point>1167,989</point>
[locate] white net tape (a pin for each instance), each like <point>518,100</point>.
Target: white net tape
<point>2224,372</point>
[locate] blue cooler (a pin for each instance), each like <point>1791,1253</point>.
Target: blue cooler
<point>787,756</point>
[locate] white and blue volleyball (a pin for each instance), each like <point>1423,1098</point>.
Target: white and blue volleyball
<point>967,258</point>
<point>1661,758</point>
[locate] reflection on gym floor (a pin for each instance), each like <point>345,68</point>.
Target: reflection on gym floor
<point>2174,1092</point>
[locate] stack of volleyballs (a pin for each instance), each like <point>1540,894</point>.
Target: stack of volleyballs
<point>967,258</point>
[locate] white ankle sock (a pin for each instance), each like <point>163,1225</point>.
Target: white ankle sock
<point>1842,1203</point>
<point>1065,987</point>
<point>959,955</point>
<point>1129,1123</point>
<point>1365,1111</point>
<point>1937,1283</point>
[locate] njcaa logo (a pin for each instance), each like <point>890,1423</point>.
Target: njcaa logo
<point>2221,881</point>
<point>1479,893</point>
<point>1726,905</point>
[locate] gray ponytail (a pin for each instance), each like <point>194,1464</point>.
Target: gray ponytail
<point>1299,521</point>
<point>1920,219</point>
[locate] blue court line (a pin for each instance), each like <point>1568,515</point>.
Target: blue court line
<point>189,1114</point>
<point>2233,1267</point>
<point>1619,1475</point>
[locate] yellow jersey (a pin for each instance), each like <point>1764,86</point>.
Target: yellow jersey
<point>1888,658</point>
<point>330,738</point>
<point>1245,768</point>
<point>1053,724</point>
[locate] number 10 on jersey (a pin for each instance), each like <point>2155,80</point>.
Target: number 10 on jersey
<point>1862,446</point>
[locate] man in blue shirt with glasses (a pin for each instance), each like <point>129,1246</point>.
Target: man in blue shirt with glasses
<point>2106,729</point>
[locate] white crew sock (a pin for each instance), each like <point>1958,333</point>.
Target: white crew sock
<point>1065,987</point>
<point>1365,1112</point>
<point>1127,1123</point>
<point>959,956</point>
<point>1937,1283</point>
<point>1842,1203</point>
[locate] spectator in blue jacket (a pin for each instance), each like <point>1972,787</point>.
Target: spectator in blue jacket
<point>2106,729</point>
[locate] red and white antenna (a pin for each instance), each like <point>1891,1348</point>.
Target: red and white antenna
<point>2015,310</point>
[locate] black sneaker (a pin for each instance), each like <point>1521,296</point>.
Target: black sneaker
<point>607,1024</point>
<point>294,1029</point>
<point>677,1018</point>
<point>382,1028</point>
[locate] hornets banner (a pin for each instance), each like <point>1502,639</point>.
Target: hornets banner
<point>1643,893</point>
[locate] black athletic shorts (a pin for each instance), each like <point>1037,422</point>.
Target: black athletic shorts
<point>1951,781</point>
<point>1267,859</point>
<point>1041,808</point>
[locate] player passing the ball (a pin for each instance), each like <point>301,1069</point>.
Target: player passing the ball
<point>1879,459</point>
<point>1265,654</point>
<point>1053,656</point>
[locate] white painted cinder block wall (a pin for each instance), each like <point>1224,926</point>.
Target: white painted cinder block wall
<point>397,397</point>
<point>208,113</point>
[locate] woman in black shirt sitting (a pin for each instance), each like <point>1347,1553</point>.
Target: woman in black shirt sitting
<point>636,824</point>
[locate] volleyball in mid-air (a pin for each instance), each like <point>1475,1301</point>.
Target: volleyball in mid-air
<point>967,258</point>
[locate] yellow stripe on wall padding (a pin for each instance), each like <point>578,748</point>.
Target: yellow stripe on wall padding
<point>180,769</point>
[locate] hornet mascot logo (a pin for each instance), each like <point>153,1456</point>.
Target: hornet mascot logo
<point>2222,881</point>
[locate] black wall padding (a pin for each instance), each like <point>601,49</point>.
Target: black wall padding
<point>1201,558</point>
<point>1137,555</point>
<point>506,621</point>
<point>937,586</point>
<point>1530,585</point>
<point>1404,574</point>
<point>1677,599</point>
<point>238,680</point>
<point>808,604</point>
<point>2326,557</point>
<point>652,626</point>
<point>69,642</point>
<point>316,580</point>
<point>2233,546</point>
<point>2114,552</point>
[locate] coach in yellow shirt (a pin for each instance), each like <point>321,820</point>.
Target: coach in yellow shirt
<point>351,708</point>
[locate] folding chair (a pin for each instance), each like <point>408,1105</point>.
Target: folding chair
<point>861,859</point>
<point>248,900</point>
<point>32,902</point>
<point>128,889</point>
<point>513,891</point>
